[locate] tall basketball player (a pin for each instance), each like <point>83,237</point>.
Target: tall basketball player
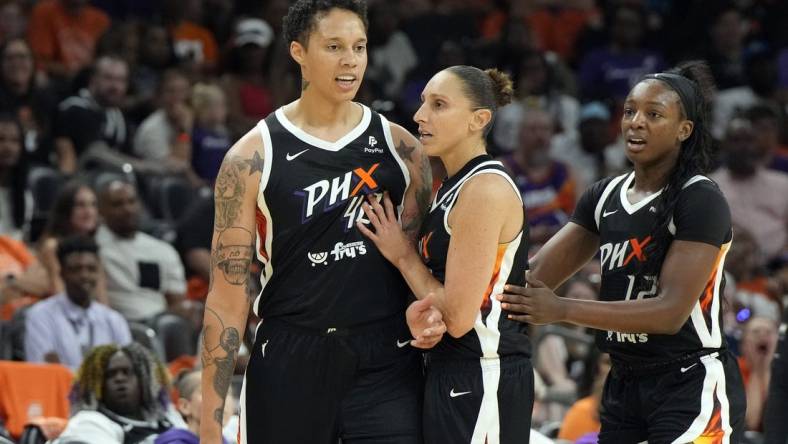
<point>662,233</point>
<point>332,359</point>
<point>479,385</point>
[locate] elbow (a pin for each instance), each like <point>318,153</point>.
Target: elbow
<point>670,324</point>
<point>460,327</point>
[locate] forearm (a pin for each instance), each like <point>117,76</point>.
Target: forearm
<point>652,315</point>
<point>756,401</point>
<point>224,326</point>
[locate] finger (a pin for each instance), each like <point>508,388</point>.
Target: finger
<point>511,298</point>
<point>514,289</point>
<point>520,318</point>
<point>391,215</point>
<point>366,231</point>
<point>372,215</point>
<point>373,202</point>
<point>422,305</point>
<point>535,283</point>
<point>518,308</point>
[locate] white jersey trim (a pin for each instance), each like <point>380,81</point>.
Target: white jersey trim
<point>632,208</point>
<point>405,172</point>
<point>268,267</point>
<point>458,188</point>
<point>324,144</point>
<point>601,202</point>
<point>436,202</point>
<point>487,429</point>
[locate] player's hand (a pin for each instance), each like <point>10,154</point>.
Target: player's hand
<point>425,323</point>
<point>387,235</point>
<point>534,304</point>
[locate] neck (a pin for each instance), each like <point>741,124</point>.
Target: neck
<point>652,178</point>
<point>84,303</point>
<point>456,157</point>
<point>315,111</point>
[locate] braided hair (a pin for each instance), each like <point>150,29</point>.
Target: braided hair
<point>694,158</point>
<point>88,390</point>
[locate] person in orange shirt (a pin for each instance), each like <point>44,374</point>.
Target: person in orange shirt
<point>192,42</point>
<point>63,35</point>
<point>583,417</point>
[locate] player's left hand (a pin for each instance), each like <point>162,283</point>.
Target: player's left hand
<point>425,323</point>
<point>388,235</point>
<point>535,304</point>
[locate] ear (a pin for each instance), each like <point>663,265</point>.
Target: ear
<point>480,119</point>
<point>685,130</point>
<point>298,52</point>
<point>184,407</point>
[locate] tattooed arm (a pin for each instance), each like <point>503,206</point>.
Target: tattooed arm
<point>227,305</point>
<point>418,195</point>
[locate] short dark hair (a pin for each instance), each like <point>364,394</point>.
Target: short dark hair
<point>75,244</point>
<point>761,111</point>
<point>303,15</point>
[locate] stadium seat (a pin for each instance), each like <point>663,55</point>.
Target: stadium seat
<point>147,337</point>
<point>31,391</point>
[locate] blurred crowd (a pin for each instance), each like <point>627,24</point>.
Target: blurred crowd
<point>115,116</point>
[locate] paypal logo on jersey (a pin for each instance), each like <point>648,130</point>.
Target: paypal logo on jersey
<point>326,194</point>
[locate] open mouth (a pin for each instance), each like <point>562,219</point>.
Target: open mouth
<point>636,143</point>
<point>346,81</point>
<point>423,135</point>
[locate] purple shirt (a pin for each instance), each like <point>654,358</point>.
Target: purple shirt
<point>58,325</point>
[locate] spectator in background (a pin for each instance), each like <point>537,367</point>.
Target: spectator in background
<point>760,69</point>
<point>63,35</point>
<point>94,116</point>
<point>753,292</point>
<point>120,396</point>
<point>189,404</point>
<point>245,84</point>
<point>144,274</point>
<point>64,327</point>
<point>537,87</point>
<point>608,73</point>
<point>546,185</point>
<point>758,344</point>
<point>21,276</point>
<point>156,55</point>
<point>33,106</point>
<point>755,194</point>
<point>775,427</point>
<point>725,53</point>
<point>391,54</point>
<point>766,123</point>
<point>210,137</point>
<point>583,417</point>
<point>13,20</point>
<point>165,137</point>
<point>558,24</point>
<point>16,202</point>
<point>194,44</point>
<point>74,212</point>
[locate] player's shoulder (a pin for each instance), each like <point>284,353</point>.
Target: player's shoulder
<point>597,189</point>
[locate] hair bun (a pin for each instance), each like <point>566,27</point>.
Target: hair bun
<point>502,86</point>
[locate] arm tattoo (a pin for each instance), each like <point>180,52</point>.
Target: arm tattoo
<point>422,196</point>
<point>405,152</point>
<point>233,254</point>
<point>223,356</point>
<point>230,189</point>
<point>255,163</point>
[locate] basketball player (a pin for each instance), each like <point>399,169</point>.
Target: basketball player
<point>479,385</point>
<point>662,232</point>
<point>332,359</point>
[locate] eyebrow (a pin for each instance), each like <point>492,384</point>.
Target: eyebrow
<point>339,39</point>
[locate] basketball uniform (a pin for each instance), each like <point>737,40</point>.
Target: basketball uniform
<point>479,387</point>
<point>331,358</point>
<point>678,388</point>
<point>775,427</point>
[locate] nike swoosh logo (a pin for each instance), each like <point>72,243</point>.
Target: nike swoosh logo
<point>686,369</point>
<point>290,157</point>
<point>402,344</point>
<point>454,394</point>
<point>608,213</point>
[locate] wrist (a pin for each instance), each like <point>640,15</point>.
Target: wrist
<point>406,260</point>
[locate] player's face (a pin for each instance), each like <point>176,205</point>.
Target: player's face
<point>652,123</point>
<point>445,114</point>
<point>335,58</point>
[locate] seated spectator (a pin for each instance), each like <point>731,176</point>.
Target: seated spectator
<point>22,278</point>
<point>64,327</point>
<point>144,274</point>
<point>20,95</point>
<point>16,202</point>
<point>758,345</point>
<point>756,195</point>
<point>63,35</point>
<point>164,137</point>
<point>194,44</point>
<point>775,427</point>
<point>13,20</point>
<point>210,136</point>
<point>546,185</point>
<point>753,293</point>
<point>94,116</point>
<point>766,123</point>
<point>154,58</point>
<point>249,97</point>
<point>120,396</point>
<point>189,405</point>
<point>726,46</point>
<point>74,212</point>
<point>583,417</point>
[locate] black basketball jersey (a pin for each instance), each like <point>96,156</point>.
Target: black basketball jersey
<point>493,334</point>
<point>319,270</point>
<point>701,215</point>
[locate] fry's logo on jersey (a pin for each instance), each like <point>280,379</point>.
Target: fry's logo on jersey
<point>634,338</point>
<point>621,254</point>
<point>327,194</point>
<point>339,252</point>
